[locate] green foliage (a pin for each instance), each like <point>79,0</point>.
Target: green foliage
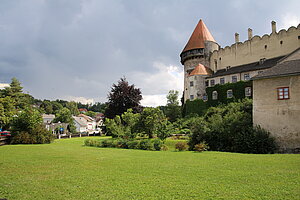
<point>238,90</point>
<point>7,111</point>
<point>151,120</point>
<point>157,144</point>
<point>229,128</point>
<point>144,144</point>
<point>91,113</point>
<point>197,106</point>
<point>27,128</point>
<point>172,110</point>
<point>72,106</point>
<point>181,146</point>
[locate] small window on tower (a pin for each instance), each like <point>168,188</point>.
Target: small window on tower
<point>191,97</point>
<point>283,93</point>
<point>206,83</point>
<point>191,83</point>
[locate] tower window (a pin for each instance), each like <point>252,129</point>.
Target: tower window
<point>299,37</point>
<point>283,93</point>
<point>281,42</point>
<point>214,95</point>
<point>212,83</point>
<point>191,83</point>
<point>206,83</point>
<point>191,97</point>
<point>229,94</point>
<point>216,65</point>
<point>266,46</point>
<point>234,79</point>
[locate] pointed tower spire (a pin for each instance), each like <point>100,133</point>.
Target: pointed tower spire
<point>199,36</point>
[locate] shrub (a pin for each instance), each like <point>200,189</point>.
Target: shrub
<point>181,146</point>
<point>121,143</point>
<point>164,147</point>
<point>146,145</point>
<point>133,144</point>
<point>201,147</point>
<point>157,144</point>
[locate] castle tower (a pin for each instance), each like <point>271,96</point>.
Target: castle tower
<point>197,51</point>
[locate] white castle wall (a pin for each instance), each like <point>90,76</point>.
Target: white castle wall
<point>267,46</point>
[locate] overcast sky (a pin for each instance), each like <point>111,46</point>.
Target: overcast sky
<point>76,49</point>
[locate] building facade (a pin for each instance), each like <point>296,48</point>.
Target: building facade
<point>239,62</point>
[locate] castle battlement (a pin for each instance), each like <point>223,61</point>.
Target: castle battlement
<point>257,47</point>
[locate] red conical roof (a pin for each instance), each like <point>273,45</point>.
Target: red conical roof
<point>199,36</point>
<point>201,70</point>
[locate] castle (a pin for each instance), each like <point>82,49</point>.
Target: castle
<point>207,64</point>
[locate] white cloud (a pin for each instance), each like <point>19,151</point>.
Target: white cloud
<point>156,85</point>
<point>289,20</point>
<point>154,100</point>
<point>82,100</point>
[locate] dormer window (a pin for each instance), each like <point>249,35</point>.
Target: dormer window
<point>261,61</point>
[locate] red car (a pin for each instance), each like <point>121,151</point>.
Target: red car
<point>5,133</point>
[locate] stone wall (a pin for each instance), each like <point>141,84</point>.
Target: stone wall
<point>280,117</point>
<point>256,48</point>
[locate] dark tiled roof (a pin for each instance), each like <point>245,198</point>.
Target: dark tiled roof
<point>248,67</point>
<point>286,68</point>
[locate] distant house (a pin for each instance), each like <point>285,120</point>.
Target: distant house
<point>82,110</point>
<point>80,124</point>
<point>90,122</point>
<point>48,118</point>
<point>276,102</point>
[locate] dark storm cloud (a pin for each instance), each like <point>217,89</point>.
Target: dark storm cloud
<point>60,48</point>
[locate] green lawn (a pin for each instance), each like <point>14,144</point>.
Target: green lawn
<point>66,169</point>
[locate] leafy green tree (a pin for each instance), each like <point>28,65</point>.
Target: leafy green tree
<point>150,121</point>
<point>72,106</point>
<point>122,97</point>
<point>172,109</point>
<point>47,107</point>
<point>130,121</point>
<point>91,113</point>
<point>7,111</point>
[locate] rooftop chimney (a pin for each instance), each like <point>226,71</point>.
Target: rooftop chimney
<point>249,33</point>
<point>237,37</point>
<point>273,26</point>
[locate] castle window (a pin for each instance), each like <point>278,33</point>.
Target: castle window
<point>206,83</point>
<point>220,58</point>
<point>262,60</point>
<point>212,83</point>
<point>299,37</point>
<point>234,79</point>
<point>281,42</point>
<point>222,81</point>
<point>191,97</point>
<point>191,83</point>
<point>229,94</point>
<point>283,93</point>
<point>266,46</point>
<point>216,65</point>
<point>248,91</point>
<point>246,77</point>
<point>214,95</point>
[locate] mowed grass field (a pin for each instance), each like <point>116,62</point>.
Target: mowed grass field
<point>66,169</point>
